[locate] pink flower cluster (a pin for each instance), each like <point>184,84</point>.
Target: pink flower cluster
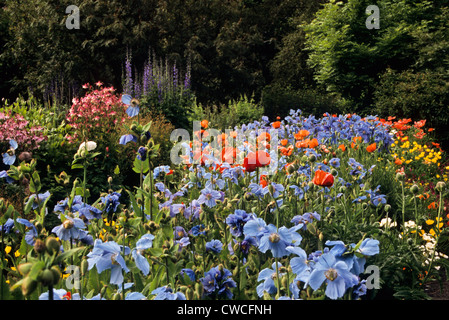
<point>99,111</point>
<point>15,126</point>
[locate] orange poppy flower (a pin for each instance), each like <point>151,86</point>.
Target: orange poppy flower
<point>432,205</point>
<point>276,124</point>
<point>342,147</point>
<point>301,134</point>
<point>313,143</point>
<point>372,147</point>
<point>398,162</point>
<point>256,159</point>
<point>323,178</point>
<point>204,124</point>
<point>357,139</point>
<point>263,180</point>
<point>228,154</point>
<point>264,136</point>
<point>284,142</point>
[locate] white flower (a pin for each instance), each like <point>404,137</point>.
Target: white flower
<point>387,222</point>
<point>91,145</point>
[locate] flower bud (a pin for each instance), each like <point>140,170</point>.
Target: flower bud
<point>84,266</point>
<point>56,274</point>
<point>414,189</point>
<point>400,176</point>
<point>440,186</point>
<point>28,286</point>
<point>24,268</point>
<point>189,293</point>
<point>39,246</point>
<point>334,172</point>
<point>387,208</point>
<point>52,245</point>
<point>312,158</point>
<point>47,278</point>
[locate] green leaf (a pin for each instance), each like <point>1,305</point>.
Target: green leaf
<point>136,207</point>
<point>67,254</point>
<point>77,166</point>
<point>141,166</point>
<point>37,267</point>
<point>35,183</point>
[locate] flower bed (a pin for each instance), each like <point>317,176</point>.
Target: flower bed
<point>298,208</point>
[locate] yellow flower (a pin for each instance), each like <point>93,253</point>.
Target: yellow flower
<point>13,269</point>
<point>8,249</point>
<point>430,222</point>
<point>17,254</point>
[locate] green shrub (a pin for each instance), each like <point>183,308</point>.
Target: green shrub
<point>236,112</point>
<point>416,95</point>
<point>277,100</point>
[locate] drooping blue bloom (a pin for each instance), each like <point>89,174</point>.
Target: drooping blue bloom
<point>277,189</point>
<point>214,246</point>
<point>133,108</point>
<point>277,240</point>
<point>124,139</point>
<point>267,275</point>
<point>145,242</point>
<point>31,235</point>
<point>335,162</point>
<point>359,199</point>
<point>334,273</point>
<point>183,242</point>
<point>9,157</point>
<point>166,293</point>
<point>300,265</point>
<point>62,205</point>
<point>209,197</point>
<point>41,197</point>
<point>237,220</point>
<point>89,212</point>
<point>368,247</point>
<point>108,255</point>
<point>71,228</point>
<point>193,210</point>
<point>7,226</point>
<point>111,201</point>
<point>198,230</point>
<point>135,296</point>
<point>379,199</point>
<point>189,272</point>
<point>158,170</point>
<point>59,294</point>
<point>142,153</point>
<point>217,283</point>
<point>255,228</point>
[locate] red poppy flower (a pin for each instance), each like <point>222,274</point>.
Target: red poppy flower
<point>323,178</point>
<point>372,147</point>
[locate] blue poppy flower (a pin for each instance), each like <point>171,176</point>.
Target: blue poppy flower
<point>111,201</point>
<point>267,275</point>
<point>166,293</point>
<point>277,240</point>
<point>215,246</point>
<point>7,226</point>
<point>209,197</point>
<point>124,139</point>
<point>9,157</point>
<point>237,220</point>
<point>41,197</point>
<point>189,272</point>
<point>334,273</point>
<point>198,230</point>
<point>31,235</point>
<point>145,242</point>
<point>108,256</point>
<point>133,105</point>
<point>218,282</point>
<point>71,228</point>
